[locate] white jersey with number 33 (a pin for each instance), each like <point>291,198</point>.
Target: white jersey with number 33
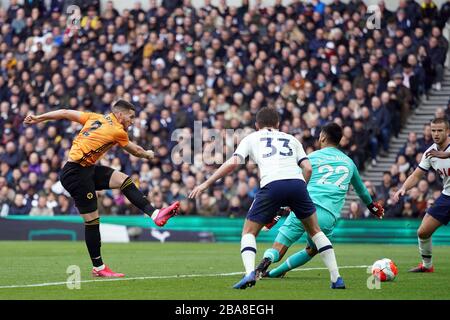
<point>276,153</point>
<point>442,167</point>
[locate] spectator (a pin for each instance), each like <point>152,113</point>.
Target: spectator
<point>426,140</point>
<point>18,24</point>
<point>20,206</point>
<point>105,205</point>
<point>410,79</point>
<point>433,182</point>
<point>390,101</point>
<point>429,12</point>
<point>382,121</point>
<point>384,189</point>
<point>187,207</point>
<point>221,202</point>
<point>229,187</point>
<point>244,198</point>
<point>418,202</point>
<point>217,65</point>
<point>11,156</point>
<point>41,208</point>
<point>170,5</point>
<point>355,210</point>
<point>361,142</point>
<point>236,208</point>
<point>437,54</point>
<point>5,201</point>
<point>121,45</point>
<point>409,211</point>
<point>439,113</point>
<point>403,164</point>
<point>412,142</point>
<point>404,96</point>
<point>393,210</point>
<point>64,206</point>
<point>207,205</point>
<point>425,61</point>
<point>444,14</point>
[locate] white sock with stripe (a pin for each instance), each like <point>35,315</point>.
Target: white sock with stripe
<point>326,252</point>
<point>99,268</point>
<point>155,214</point>
<point>426,252</point>
<point>248,252</point>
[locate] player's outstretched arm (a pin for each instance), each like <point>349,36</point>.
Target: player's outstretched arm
<point>229,166</point>
<point>412,180</point>
<point>138,151</point>
<point>71,115</point>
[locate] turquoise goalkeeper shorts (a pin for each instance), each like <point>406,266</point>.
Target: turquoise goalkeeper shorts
<point>292,228</point>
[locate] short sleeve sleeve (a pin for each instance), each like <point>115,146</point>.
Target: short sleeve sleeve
<point>425,164</point>
<point>301,154</point>
<point>243,148</point>
<point>122,138</point>
<point>84,117</point>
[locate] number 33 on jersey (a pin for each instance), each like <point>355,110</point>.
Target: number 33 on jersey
<point>276,153</point>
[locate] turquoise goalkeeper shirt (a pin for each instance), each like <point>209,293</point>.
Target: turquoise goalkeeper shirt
<point>332,173</point>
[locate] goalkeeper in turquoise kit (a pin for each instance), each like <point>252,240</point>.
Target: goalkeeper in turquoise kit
<point>332,174</point>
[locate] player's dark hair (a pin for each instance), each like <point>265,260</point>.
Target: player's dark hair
<point>267,117</point>
<point>123,105</point>
<point>333,133</point>
<point>441,120</point>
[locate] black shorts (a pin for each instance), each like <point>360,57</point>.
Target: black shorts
<point>440,210</point>
<point>81,182</point>
<point>281,193</point>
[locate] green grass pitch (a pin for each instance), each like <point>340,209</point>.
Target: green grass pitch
<point>179,271</point>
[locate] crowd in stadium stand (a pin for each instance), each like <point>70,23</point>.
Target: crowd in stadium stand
<point>420,197</point>
<point>218,65</point>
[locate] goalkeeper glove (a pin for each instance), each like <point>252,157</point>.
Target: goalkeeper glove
<point>376,209</point>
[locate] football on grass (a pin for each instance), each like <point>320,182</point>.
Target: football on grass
<point>384,269</point>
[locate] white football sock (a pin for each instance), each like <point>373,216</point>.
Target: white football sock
<point>326,252</point>
<point>155,214</point>
<point>99,268</point>
<point>248,252</point>
<point>425,251</point>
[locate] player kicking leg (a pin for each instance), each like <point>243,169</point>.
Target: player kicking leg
<point>81,177</point>
<point>82,184</point>
<point>120,180</point>
<point>437,157</point>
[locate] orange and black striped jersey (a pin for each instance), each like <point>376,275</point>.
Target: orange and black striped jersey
<point>99,134</point>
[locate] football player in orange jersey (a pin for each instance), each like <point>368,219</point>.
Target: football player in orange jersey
<point>81,177</point>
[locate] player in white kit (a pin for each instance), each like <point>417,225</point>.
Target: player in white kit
<point>437,157</point>
<point>284,168</point>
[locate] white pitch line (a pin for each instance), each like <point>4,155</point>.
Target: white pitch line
<point>155,277</point>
